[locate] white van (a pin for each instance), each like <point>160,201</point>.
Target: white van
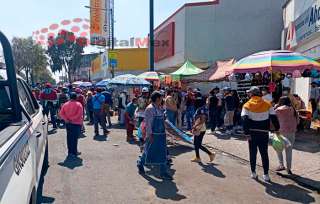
<point>23,135</point>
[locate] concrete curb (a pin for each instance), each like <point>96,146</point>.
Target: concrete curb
<point>300,181</point>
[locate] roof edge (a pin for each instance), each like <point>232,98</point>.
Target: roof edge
<point>205,3</point>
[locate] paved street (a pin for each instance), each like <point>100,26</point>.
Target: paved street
<point>306,154</point>
<point>106,173</point>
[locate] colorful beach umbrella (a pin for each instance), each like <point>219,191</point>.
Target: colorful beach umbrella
<point>187,69</point>
<point>128,80</point>
<point>275,60</point>
<point>151,76</point>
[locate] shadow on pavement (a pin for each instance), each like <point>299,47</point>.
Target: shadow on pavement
<point>100,138</point>
<point>211,169</point>
<point>306,145</point>
<point>52,132</point>
<point>288,192</point>
<point>40,197</point>
<point>303,181</point>
<point>82,135</point>
<point>71,162</point>
<point>167,190</point>
<point>179,149</point>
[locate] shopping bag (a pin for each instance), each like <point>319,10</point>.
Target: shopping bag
<point>277,143</point>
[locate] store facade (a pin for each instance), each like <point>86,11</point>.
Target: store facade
<point>301,34</point>
<point>129,61</point>
<point>216,30</point>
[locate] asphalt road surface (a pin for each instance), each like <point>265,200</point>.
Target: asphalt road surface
<point>106,173</point>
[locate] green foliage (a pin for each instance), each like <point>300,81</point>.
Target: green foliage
<point>29,57</point>
<point>65,52</point>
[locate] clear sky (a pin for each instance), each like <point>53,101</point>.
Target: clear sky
<point>21,17</point>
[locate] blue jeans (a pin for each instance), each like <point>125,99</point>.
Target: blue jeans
<point>142,159</point>
<point>172,116</point>
<point>73,133</point>
<point>189,115</point>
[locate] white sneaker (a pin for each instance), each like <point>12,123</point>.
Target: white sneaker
<point>254,175</point>
<point>266,178</point>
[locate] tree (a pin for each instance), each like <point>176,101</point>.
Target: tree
<point>43,75</point>
<point>65,52</point>
<point>28,57</point>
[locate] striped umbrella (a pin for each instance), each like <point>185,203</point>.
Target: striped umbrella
<point>151,76</point>
<point>275,60</point>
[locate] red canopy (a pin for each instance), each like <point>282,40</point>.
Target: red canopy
<point>215,73</point>
<point>223,69</point>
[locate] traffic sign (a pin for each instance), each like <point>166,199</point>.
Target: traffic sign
<point>113,55</point>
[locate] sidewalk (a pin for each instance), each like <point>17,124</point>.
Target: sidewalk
<point>306,155</point>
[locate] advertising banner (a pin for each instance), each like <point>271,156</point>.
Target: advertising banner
<point>99,22</point>
<point>307,24</point>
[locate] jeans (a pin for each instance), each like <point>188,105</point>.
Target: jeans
<point>73,133</point>
<point>99,118</point>
<point>291,137</point>
<point>53,114</point>
<point>198,145</point>
<point>189,115</point>
<point>163,167</point>
<point>183,115</point>
<point>259,140</point>
<point>172,116</point>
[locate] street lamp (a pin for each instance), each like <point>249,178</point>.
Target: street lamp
<point>151,35</point>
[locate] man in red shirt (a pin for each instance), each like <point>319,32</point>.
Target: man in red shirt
<point>72,113</point>
<point>48,98</point>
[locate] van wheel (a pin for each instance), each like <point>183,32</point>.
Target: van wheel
<point>33,198</point>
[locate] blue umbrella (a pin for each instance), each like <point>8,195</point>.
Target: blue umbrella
<point>103,83</point>
<point>128,80</point>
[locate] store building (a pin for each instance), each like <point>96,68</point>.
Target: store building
<point>301,33</point>
<point>129,61</point>
<point>216,30</point>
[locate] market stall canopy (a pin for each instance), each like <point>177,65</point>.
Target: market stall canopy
<point>223,69</point>
<point>128,80</point>
<point>152,76</point>
<point>216,72</point>
<point>187,69</point>
<point>103,83</point>
<point>275,60</point>
<point>85,84</point>
<point>77,83</point>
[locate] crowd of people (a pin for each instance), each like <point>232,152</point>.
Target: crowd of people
<point>222,111</point>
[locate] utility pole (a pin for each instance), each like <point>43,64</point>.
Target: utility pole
<point>111,20</point>
<point>151,35</point>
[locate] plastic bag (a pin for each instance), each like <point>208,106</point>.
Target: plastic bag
<point>277,143</point>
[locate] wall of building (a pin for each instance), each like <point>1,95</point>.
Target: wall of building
<point>233,28</point>
<point>132,59</point>
<point>179,41</point>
